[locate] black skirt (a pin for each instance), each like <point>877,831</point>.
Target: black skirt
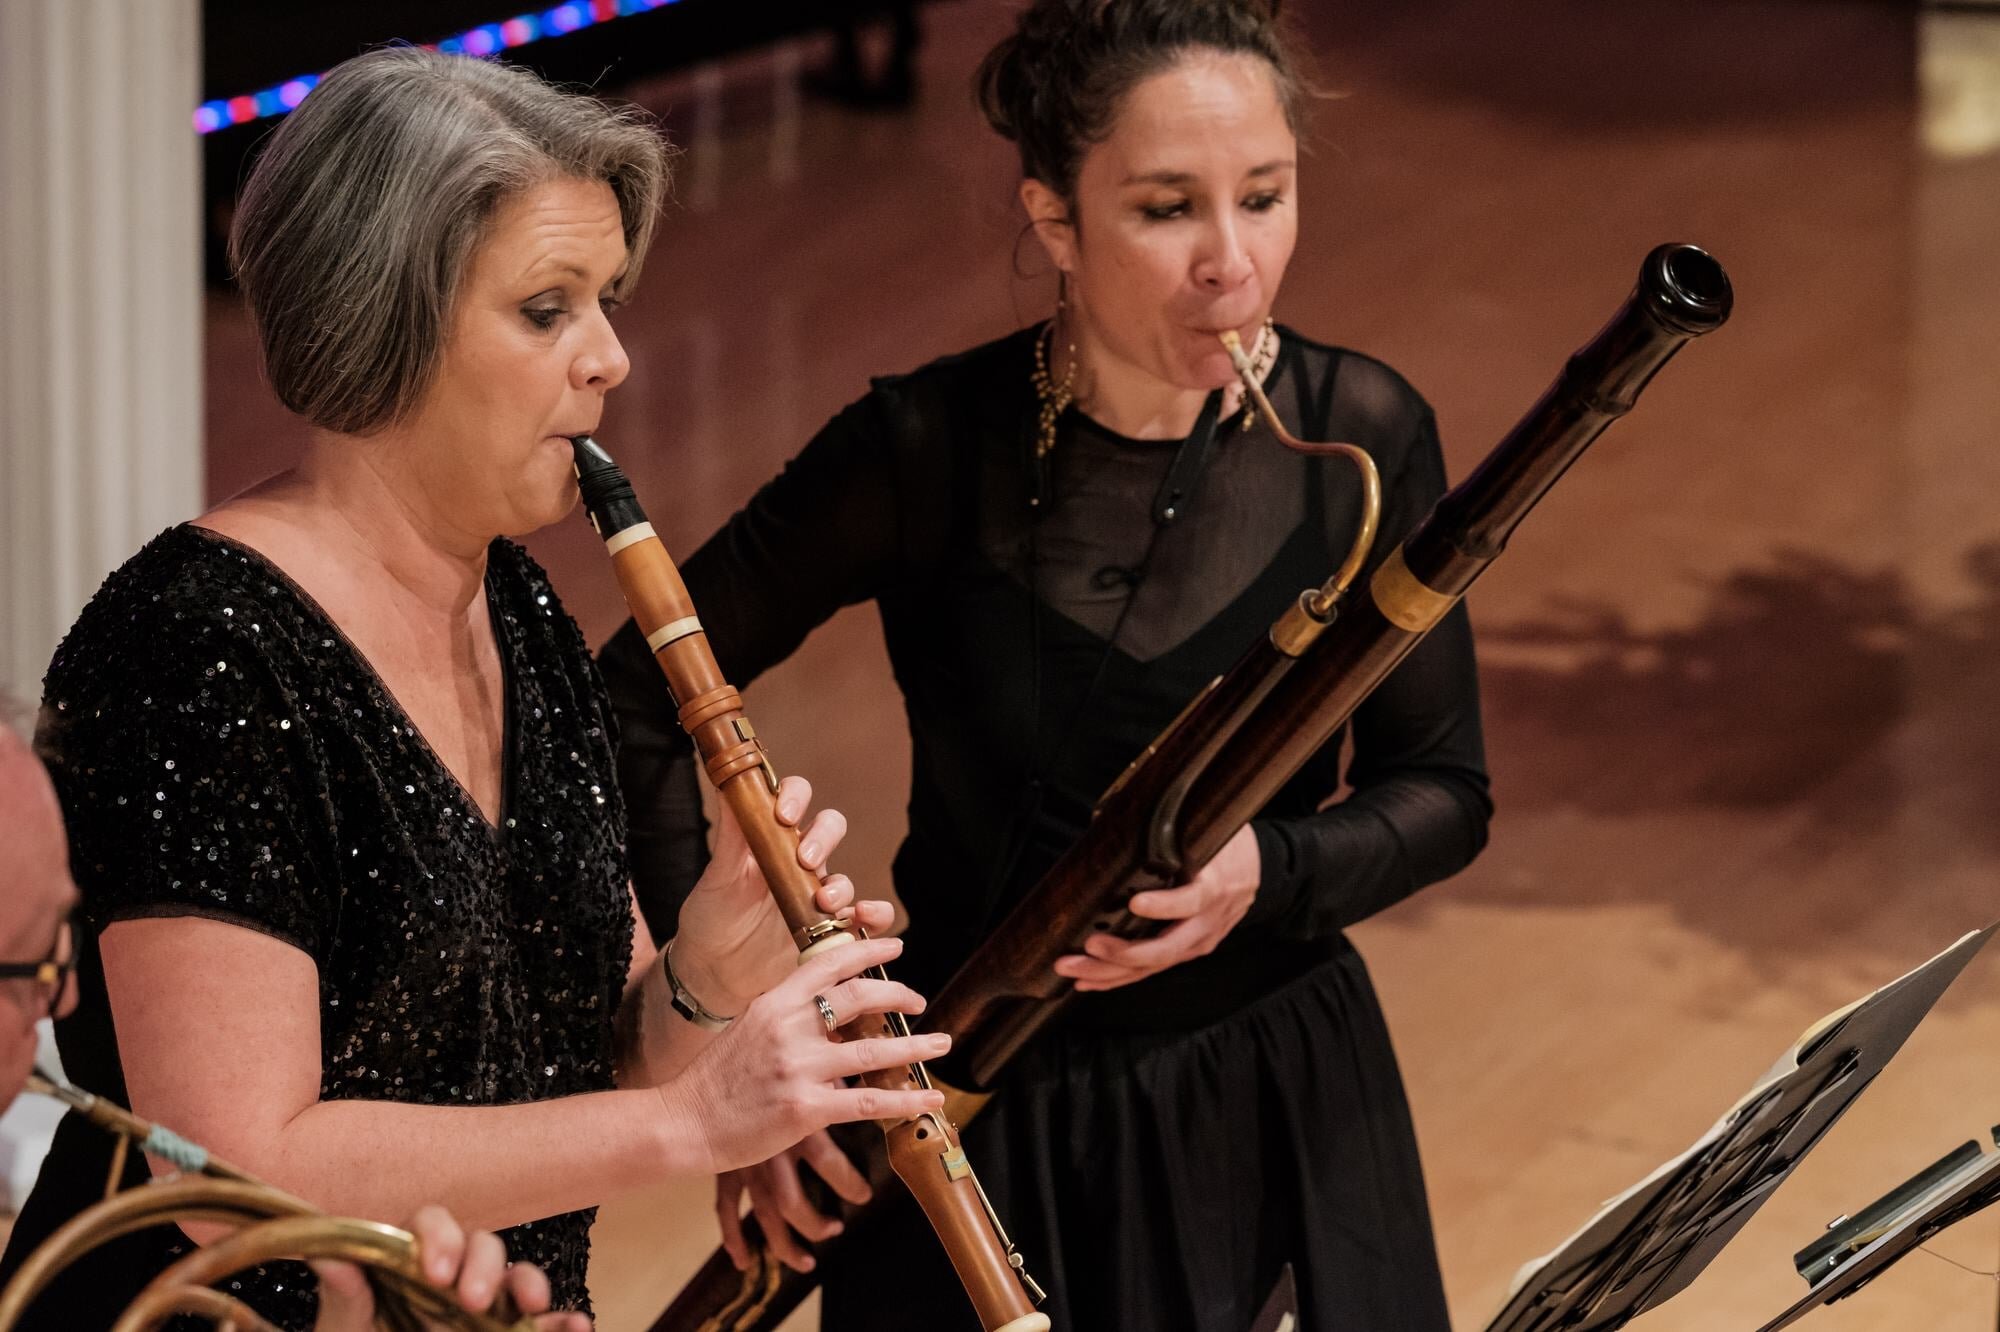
<point>1160,1182</point>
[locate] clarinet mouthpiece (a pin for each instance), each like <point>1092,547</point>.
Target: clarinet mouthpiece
<point>607,495</point>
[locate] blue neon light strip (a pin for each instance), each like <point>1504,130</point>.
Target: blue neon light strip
<point>485,40</point>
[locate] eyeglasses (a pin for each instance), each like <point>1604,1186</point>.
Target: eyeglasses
<point>52,973</point>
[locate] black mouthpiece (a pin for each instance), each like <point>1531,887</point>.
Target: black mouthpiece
<point>607,495</point>
<point>1686,288</point>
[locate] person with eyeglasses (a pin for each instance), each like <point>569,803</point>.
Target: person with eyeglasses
<point>38,908</point>
<point>51,974</point>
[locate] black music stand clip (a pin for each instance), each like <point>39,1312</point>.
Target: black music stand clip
<point>1648,1243</point>
<point>1855,1250</point>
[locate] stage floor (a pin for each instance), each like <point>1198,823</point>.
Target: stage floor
<point>1739,671</point>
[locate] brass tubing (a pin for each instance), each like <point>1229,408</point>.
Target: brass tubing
<point>1322,601</point>
<point>268,1225</point>
<point>189,1198</point>
<point>115,1118</point>
<point>120,1149</point>
<point>389,1254</point>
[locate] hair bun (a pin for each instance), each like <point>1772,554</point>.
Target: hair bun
<point>1054,84</point>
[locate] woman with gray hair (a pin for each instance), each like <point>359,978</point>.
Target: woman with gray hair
<point>337,768</point>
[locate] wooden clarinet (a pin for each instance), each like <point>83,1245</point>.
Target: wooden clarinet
<point>1242,739</point>
<point>924,1152</point>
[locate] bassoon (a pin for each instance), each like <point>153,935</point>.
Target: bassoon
<point>924,1152</point>
<point>1237,744</point>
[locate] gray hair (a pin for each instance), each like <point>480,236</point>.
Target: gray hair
<point>361,216</point>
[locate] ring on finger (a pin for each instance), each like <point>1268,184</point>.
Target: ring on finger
<point>826,1013</point>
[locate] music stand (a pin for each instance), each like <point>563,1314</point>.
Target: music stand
<point>1855,1251</point>
<point>1648,1243</point>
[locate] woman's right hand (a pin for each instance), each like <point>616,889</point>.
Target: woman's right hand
<point>778,1075</point>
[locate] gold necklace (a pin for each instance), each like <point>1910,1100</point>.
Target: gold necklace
<point>1055,397</point>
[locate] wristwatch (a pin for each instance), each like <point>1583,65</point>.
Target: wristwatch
<point>684,1001</point>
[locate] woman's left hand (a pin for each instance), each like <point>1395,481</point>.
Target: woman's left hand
<point>1204,910</point>
<point>732,944</point>
<point>470,1265</point>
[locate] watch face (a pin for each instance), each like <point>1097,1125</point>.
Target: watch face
<point>686,1005</point>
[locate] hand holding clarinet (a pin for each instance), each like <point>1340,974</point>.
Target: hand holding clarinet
<point>922,1142</point>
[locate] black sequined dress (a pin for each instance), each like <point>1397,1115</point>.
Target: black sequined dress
<point>1171,1144</point>
<point>221,750</point>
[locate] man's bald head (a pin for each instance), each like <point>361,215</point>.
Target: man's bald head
<point>35,891</point>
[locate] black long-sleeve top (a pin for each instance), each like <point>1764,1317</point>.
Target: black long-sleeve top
<point>1044,626</point>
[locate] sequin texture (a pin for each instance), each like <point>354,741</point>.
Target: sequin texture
<point>221,749</point>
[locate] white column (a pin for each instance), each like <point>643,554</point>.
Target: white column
<point>1945,755</point>
<point>100,302</point>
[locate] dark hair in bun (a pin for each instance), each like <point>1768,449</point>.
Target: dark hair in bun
<point>1054,86</point>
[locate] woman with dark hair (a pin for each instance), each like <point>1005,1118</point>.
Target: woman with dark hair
<point>1069,532</point>
<point>337,769</point>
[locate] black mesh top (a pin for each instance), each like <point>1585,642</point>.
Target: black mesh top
<point>1041,646</point>
<point>220,749</point>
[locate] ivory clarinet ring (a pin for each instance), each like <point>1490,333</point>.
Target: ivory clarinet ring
<point>826,1013</point>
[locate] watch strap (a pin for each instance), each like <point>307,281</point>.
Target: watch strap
<point>684,1001</point>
